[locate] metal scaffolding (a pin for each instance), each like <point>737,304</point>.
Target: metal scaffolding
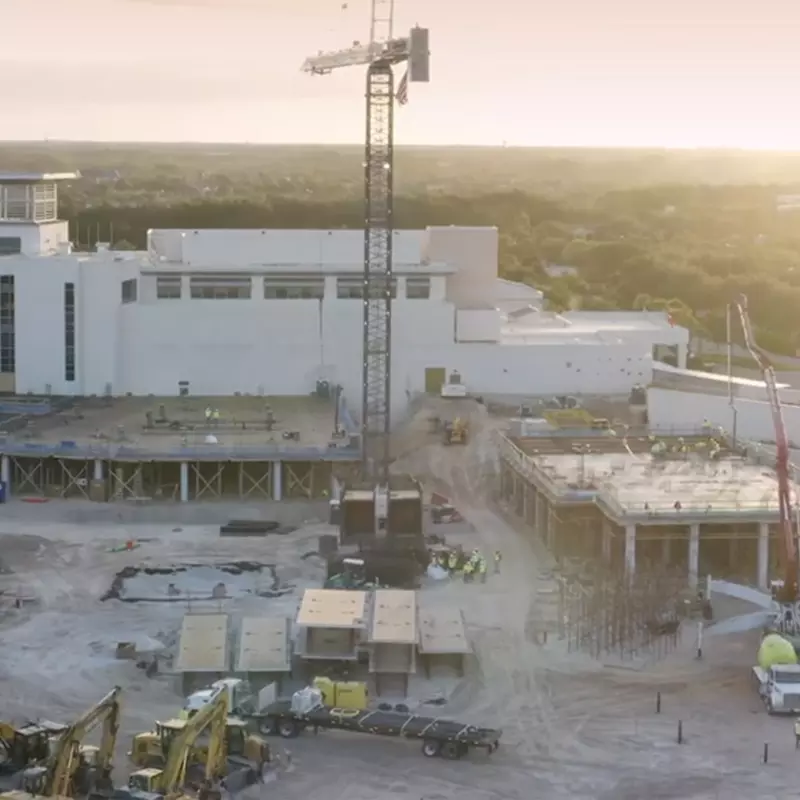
<point>604,612</point>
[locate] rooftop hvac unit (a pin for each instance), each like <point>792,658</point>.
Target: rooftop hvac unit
<point>183,388</point>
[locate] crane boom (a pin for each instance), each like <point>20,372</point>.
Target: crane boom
<point>788,593</point>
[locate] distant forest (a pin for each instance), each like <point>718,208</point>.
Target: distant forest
<point>687,231</point>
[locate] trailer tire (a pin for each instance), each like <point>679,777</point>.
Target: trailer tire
<point>452,751</point>
<point>288,729</point>
<point>267,727</point>
<point>431,748</point>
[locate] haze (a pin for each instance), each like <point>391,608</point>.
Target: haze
<point>681,73</point>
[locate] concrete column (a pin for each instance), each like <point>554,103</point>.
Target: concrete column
<point>5,474</point>
<point>525,490</point>
<point>694,553</point>
<point>541,522</point>
<point>277,480</point>
<point>98,469</point>
<point>606,541</point>
<point>551,534</point>
<point>763,555</point>
<point>666,551</point>
<point>630,550</point>
<point>184,481</point>
<point>683,352</point>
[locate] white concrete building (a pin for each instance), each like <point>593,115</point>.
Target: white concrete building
<point>273,311</point>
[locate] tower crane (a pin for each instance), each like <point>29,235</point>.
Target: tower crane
<point>786,595</point>
<point>380,55</point>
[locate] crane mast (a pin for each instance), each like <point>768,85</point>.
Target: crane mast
<point>380,55</point>
<point>787,594</point>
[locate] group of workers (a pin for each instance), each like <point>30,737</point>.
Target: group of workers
<point>212,415</point>
<point>658,447</point>
<point>470,567</point>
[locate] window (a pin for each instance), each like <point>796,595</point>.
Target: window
<point>294,288</point>
<point>17,202</point>
<point>69,332</point>
<point>418,288</point>
<point>221,287</point>
<point>8,355</point>
<point>168,287</point>
<point>10,246</point>
<point>353,288</point>
<point>129,291</point>
<point>45,203</point>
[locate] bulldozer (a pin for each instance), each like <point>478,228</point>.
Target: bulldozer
<point>456,431</point>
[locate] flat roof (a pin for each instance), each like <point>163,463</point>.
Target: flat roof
<point>641,485</point>
<point>333,608</point>
<point>203,644</point>
<point>36,177</point>
<point>264,645</point>
<point>96,422</point>
<point>394,616</point>
<point>442,631</point>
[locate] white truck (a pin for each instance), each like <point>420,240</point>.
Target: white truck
<point>779,687</point>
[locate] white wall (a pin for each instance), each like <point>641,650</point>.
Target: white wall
<point>673,410</point>
<point>229,249</point>
<point>38,239</point>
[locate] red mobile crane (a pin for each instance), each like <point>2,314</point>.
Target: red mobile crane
<point>787,593</point>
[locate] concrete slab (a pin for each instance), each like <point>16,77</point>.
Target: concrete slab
<point>394,617</point>
<point>640,484</point>
<point>203,644</point>
<point>242,422</point>
<point>442,631</point>
<point>333,608</point>
<point>264,645</point>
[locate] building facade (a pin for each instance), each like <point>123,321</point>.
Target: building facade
<point>274,311</point>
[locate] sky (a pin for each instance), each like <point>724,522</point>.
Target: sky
<point>603,73</point>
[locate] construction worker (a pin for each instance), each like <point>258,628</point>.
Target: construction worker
<point>209,413</point>
<point>452,561</point>
<point>468,571</point>
<point>215,416</point>
<point>497,559</point>
<point>482,569</point>
<point>797,733</point>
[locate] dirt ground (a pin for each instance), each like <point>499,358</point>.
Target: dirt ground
<point>573,727</point>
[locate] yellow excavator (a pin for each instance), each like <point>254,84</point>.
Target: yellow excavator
<point>209,737</point>
<point>26,745</point>
<point>73,769</point>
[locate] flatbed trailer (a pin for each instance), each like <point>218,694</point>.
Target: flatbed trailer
<point>440,737</point>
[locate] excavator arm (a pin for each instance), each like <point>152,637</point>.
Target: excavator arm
<point>213,717</point>
<point>67,753</point>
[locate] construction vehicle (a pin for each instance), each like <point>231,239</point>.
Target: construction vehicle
<point>26,745</point>
<point>75,769</point>
<point>209,736</point>
<point>453,388</point>
<point>455,431</point>
<point>440,737</point>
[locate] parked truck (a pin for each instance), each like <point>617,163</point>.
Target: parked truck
<point>779,687</point>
